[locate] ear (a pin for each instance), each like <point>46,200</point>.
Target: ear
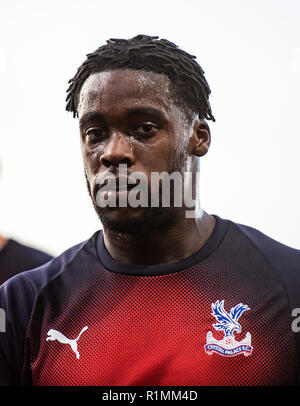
<point>200,139</point>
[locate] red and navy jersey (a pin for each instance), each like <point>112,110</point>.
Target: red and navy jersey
<point>219,317</point>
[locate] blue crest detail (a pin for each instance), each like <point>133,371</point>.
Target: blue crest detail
<point>228,322</point>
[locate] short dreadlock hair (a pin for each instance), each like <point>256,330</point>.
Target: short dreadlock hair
<point>189,87</point>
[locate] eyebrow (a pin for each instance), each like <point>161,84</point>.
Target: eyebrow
<point>140,111</point>
<point>146,111</point>
<point>89,117</point>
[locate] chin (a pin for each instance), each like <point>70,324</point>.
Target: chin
<point>136,221</point>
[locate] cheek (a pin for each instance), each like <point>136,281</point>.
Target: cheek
<point>156,158</point>
<point>91,160</point>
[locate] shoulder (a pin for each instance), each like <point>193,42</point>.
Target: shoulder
<point>18,296</point>
<point>19,293</point>
<point>274,250</point>
<point>32,281</point>
<point>285,260</point>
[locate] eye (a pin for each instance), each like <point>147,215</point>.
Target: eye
<point>95,134</point>
<point>145,130</point>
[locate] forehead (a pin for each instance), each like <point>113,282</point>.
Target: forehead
<point>124,88</point>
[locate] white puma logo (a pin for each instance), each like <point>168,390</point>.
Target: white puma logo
<point>56,335</point>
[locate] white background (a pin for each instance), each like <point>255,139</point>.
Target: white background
<point>250,51</point>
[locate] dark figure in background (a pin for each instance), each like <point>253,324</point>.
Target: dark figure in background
<point>16,258</point>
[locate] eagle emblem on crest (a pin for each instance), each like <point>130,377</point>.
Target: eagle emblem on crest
<point>228,323</point>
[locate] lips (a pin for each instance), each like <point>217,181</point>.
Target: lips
<point>116,184</point>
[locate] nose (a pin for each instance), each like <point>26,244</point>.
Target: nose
<point>117,151</point>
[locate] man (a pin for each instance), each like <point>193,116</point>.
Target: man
<point>16,258</point>
<point>166,294</point>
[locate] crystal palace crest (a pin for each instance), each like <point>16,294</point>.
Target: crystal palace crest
<point>228,322</point>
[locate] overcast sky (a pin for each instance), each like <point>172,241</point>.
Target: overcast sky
<point>250,51</point>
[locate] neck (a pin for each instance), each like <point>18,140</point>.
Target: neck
<point>182,240</point>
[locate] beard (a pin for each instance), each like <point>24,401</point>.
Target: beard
<point>150,219</point>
